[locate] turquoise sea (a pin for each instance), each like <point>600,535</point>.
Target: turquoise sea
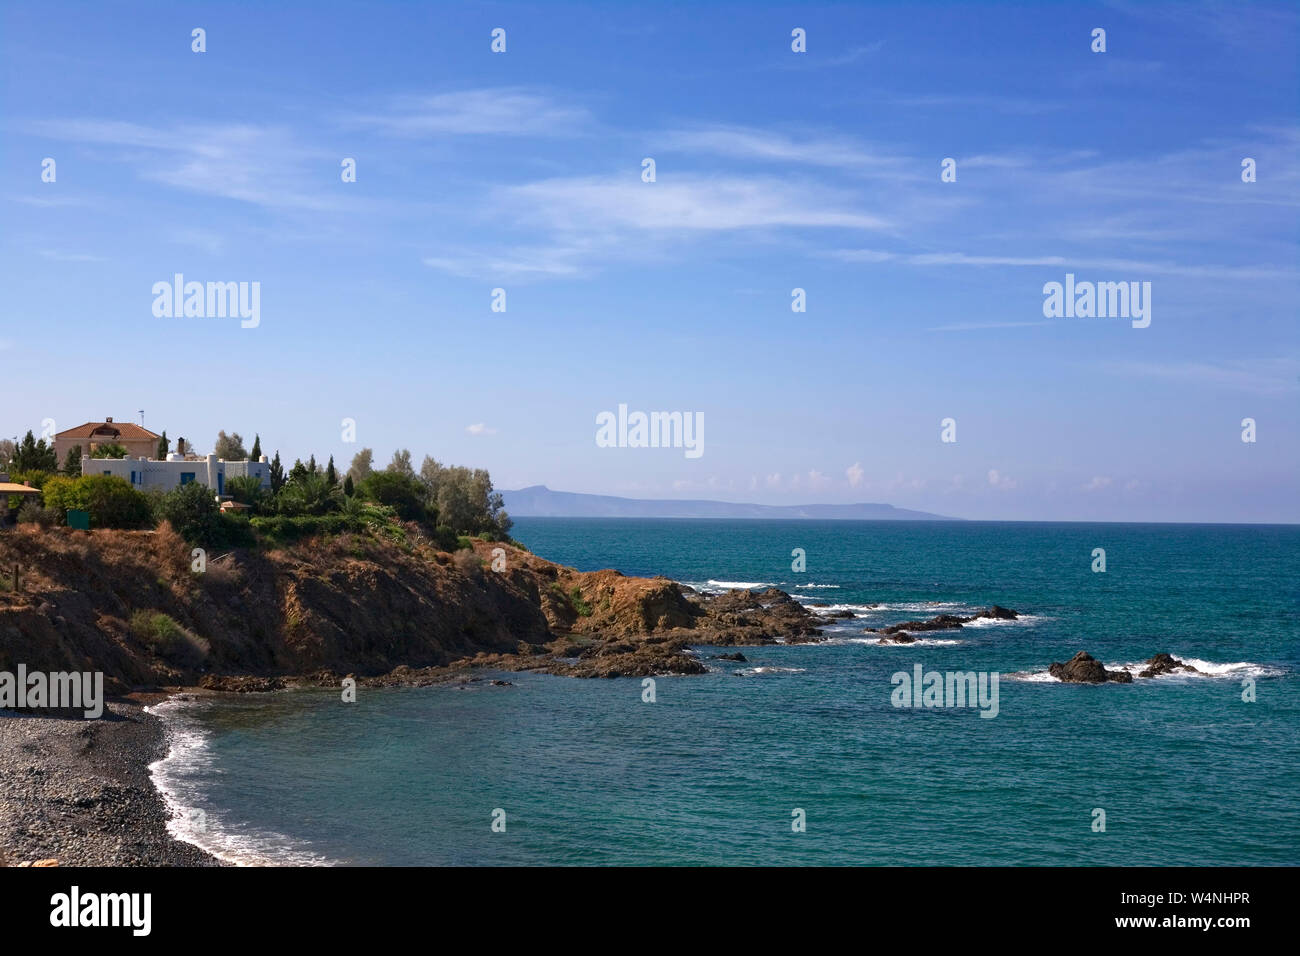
<point>713,771</point>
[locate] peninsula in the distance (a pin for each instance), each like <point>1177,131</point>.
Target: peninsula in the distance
<point>538,501</point>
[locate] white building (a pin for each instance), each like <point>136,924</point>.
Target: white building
<point>147,473</point>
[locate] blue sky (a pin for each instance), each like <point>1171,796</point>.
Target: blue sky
<point>774,170</point>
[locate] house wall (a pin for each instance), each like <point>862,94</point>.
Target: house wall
<point>135,447</point>
<point>149,473</point>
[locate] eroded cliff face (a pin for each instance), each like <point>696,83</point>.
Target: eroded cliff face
<point>129,604</point>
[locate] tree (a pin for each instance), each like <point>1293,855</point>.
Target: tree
<point>401,463</point>
<point>230,447</point>
<point>312,467</point>
<point>308,495</point>
<point>109,450</point>
<point>256,454</point>
<point>298,472</point>
<point>331,475</point>
<point>404,493</point>
<point>194,514</point>
<point>277,474</point>
<point>464,498</point>
<point>362,465</point>
<point>348,488</point>
<point>62,493</point>
<point>247,490</point>
<point>164,446</point>
<point>72,462</point>
<point>113,503</point>
<point>33,455</point>
<point>7,449</point>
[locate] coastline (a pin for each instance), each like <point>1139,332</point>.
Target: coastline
<point>79,791</point>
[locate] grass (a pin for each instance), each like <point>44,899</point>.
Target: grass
<point>579,602</point>
<point>168,639</point>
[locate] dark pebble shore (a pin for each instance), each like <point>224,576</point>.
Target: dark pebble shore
<point>78,791</point>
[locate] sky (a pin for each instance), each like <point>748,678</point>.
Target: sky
<point>774,170</point>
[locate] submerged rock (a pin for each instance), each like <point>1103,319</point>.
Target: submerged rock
<point>1166,664</point>
<point>896,637</point>
<point>947,622</point>
<point>733,657</point>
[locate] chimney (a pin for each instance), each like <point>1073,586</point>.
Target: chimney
<point>108,420</point>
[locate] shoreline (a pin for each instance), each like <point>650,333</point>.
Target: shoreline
<point>79,791</point>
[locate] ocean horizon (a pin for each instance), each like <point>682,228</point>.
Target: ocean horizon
<point>715,769</point>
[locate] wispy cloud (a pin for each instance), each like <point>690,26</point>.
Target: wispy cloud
<point>688,204</point>
<point>263,165</point>
<point>506,111</point>
<point>57,256</point>
<point>811,149</point>
<point>1265,376</point>
<point>1137,266</point>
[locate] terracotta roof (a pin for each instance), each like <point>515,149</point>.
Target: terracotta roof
<point>10,488</point>
<point>125,430</point>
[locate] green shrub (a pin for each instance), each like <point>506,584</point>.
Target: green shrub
<point>399,491</point>
<point>168,639</point>
<point>194,515</point>
<point>113,503</point>
<point>307,493</point>
<point>579,603</point>
<point>287,528</point>
<point>62,494</point>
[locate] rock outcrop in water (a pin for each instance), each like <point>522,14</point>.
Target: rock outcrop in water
<point>1166,664</point>
<point>126,603</point>
<point>903,633</point>
<point>1083,668</point>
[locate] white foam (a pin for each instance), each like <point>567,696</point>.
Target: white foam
<point>188,750</point>
<point>1001,621</point>
<point>832,608</point>
<point>750,671</point>
<point>875,642</point>
<point>745,585</point>
<point>1206,669</point>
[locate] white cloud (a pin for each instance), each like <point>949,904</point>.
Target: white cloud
<point>999,480</point>
<point>480,429</point>
<point>1264,375</point>
<point>507,111</point>
<point>686,203</point>
<point>854,473</point>
<point>264,165</point>
<point>743,142</point>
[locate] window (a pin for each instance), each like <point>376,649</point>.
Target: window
<point>187,477</point>
<point>133,481</point>
<point>109,473</point>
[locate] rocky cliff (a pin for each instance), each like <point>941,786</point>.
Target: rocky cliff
<point>130,605</point>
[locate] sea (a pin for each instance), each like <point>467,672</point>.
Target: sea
<point>813,754</point>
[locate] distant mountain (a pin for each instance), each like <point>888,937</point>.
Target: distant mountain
<point>541,502</point>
